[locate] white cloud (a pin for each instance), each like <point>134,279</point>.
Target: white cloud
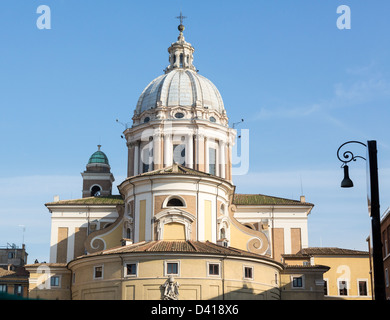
<point>371,87</point>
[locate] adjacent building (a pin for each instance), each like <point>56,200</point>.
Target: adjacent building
<point>14,278</point>
<point>385,230</point>
<point>348,277</point>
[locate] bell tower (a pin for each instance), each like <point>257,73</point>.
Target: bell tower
<point>97,179</point>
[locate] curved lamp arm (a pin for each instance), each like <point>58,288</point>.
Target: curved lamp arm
<point>348,156</point>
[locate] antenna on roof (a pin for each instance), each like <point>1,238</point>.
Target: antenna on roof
<point>24,229</point>
<point>301,186</point>
<point>126,125</point>
<point>236,123</point>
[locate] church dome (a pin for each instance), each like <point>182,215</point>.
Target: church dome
<point>98,157</point>
<point>181,85</point>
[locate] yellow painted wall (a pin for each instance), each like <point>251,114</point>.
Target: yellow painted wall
<point>208,232</point>
<point>174,231</point>
<point>349,268</point>
<point>238,238</point>
<point>37,285</point>
<point>112,239</point>
<point>142,219</point>
<point>195,283</point>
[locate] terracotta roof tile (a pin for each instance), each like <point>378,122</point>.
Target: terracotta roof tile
<point>325,251</point>
<point>190,247</point>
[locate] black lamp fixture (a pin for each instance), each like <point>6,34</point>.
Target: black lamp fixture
<point>373,208</point>
<point>347,182</point>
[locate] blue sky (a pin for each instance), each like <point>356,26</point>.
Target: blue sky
<point>302,86</point>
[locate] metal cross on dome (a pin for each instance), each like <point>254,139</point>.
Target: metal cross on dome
<point>181,17</point>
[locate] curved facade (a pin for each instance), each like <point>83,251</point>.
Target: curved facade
<point>202,271</point>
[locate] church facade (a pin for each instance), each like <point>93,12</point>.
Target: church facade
<point>177,229</point>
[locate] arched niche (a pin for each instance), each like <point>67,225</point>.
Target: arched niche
<point>171,221</point>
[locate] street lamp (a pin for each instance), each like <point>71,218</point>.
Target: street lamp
<point>373,208</point>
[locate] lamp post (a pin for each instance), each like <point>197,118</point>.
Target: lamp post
<point>373,208</point>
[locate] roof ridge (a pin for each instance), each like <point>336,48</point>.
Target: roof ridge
<point>192,245</point>
<point>265,195</point>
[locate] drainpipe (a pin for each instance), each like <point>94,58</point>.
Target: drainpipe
<point>216,212</point>
<point>151,210</point>
<point>122,275</point>
<point>135,205</point>
<point>197,209</point>
<point>223,277</point>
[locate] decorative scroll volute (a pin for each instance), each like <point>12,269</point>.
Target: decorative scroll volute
<point>94,242</point>
<point>259,242</point>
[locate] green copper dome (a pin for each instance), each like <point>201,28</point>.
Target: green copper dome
<point>98,157</point>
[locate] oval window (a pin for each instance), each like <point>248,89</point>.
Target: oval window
<point>212,119</point>
<point>146,120</point>
<point>179,115</point>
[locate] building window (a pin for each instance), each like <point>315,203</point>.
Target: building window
<point>362,288</point>
<point>343,288</point>
<point>131,269</point>
<point>18,290</point>
<point>172,268</point>
<point>387,277</point>
<point>175,202</point>
<point>213,161</point>
<point>248,273</point>
<point>98,272</point>
<point>3,288</point>
<point>55,281</point>
<point>297,282</point>
<point>222,234</point>
<point>10,255</point>
<point>179,154</point>
<point>325,287</point>
<point>147,157</point>
<point>74,277</point>
<point>213,269</point>
<point>95,191</point>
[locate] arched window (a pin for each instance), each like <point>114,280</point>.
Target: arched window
<point>181,60</point>
<point>175,202</point>
<point>223,209</point>
<point>179,154</point>
<point>222,234</point>
<point>95,191</point>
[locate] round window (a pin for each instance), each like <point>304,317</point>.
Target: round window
<point>146,120</point>
<point>212,119</point>
<point>179,115</point>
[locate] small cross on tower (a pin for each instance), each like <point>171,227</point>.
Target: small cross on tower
<point>181,17</point>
